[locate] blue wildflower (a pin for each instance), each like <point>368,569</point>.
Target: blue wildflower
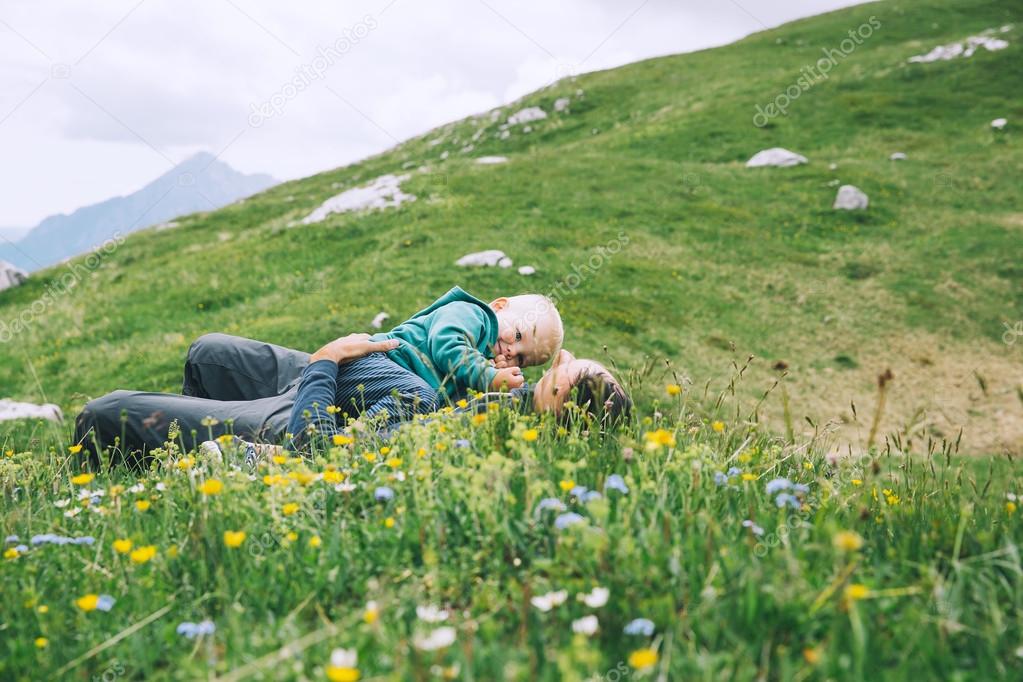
<point>383,494</point>
<point>550,503</point>
<point>720,478</point>
<point>84,540</point>
<point>20,549</point>
<point>800,488</point>
<point>105,602</point>
<point>640,626</point>
<point>462,443</point>
<point>616,482</point>
<point>589,496</point>
<point>193,630</point>
<point>578,491</point>
<point>777,485</point>
<point>11,538</point>
<point>784,499</point>
<point>734,471</point>
<point>568,519</point>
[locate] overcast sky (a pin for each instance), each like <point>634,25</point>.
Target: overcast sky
<point>97,99</point>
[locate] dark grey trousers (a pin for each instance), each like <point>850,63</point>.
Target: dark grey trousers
<point>247,387</point>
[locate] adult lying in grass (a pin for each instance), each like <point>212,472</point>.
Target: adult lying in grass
<point>250,389</point>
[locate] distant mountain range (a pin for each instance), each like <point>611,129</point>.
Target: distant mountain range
<point>201,183</point>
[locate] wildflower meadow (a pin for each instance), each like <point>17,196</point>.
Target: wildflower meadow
<point>496,546</point>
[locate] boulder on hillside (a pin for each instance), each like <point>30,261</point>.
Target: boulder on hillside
<point>491,160</point>
<point>527,115</point>
<point>379,319</point>
<point>776,156</point>
<point>10,409</point>
<point>10,275</point>
<point>485,259</point>
<point>898,156</point>
<point>384,192</point>
<point>850,198</point>
<point>999,123</point>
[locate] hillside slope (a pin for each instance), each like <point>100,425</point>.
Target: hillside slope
<point>721,261</point>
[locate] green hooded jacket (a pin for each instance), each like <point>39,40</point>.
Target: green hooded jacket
<point>448,343</point>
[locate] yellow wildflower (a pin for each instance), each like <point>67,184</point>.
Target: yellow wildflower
<point>847,541</point>
<point>643,658</point>
<point>478,419</point>
<point>315,542</point>
<point>566,485</point>
<point>393,462</point>
<point>529,435</point>
<point>673,389</point>
<point>856,482</point>
<point>211,487</point>
<point>385,451</point>
<point>812,655</point>
<point>225,439</point>
<point>341,439</point>
<point>749,477</point>
<point>143,554</point>
<point>337,673</point>
<point>11,553</point>
<point>291,536</point>
<point>372,613</point>
<point>718,426</point>
<point>290,508</point>
<point>370,457</point>
<point>122,546</point>
<point>87,602</point>
<point>389,522</point>
<point>660,437</point>
<point>234,538</point>
<point>856,592</point>
<point>41,642</point>
<point>142,505</point>
<point>279,459</point>
<point>82,479</point>
<point>75,449</point>
<point>1010,507</point>
<point>463,403</point>
<point>334,409</point>
<point>333,476</point>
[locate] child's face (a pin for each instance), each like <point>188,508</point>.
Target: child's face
<point>522,338</point>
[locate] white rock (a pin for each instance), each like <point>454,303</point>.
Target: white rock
<point>527,129</point>
<point>468,148</point>
<point>166,226</point>
<point>527,115</point>
<point>482,259</point>
<point>964,48</point>
<point>9,409</point>
<point>999,123</point>
<point>561,104</point>
<point>527,270</point>
<point>10,275</point>
<point>384,192</point>
<point>850,198</point>
<point>444,156</point>
<point>832,166</point>
<point>505,262</point>
<point>898,156</point>
<point>379,320</point>
<point>505,134</point>
<point>491,160</point>
<point>775,156</point>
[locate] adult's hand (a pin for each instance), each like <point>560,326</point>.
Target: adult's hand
<point>352,347</point>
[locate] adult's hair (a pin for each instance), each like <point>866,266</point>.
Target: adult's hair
<point>603,398</point>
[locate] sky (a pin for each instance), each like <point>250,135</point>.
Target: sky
<point>98,99</point>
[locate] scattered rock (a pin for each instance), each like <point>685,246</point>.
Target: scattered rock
<point>898,156</point>
<point>482,259</point>
<point>832,166</point>
<point>505,134</point>
<point>384,192</point>
<point>776,156</point>
<point>167,225</point>
<point>561,104</point>
<point>850,198</point>
<point>527,270</point>
<point>505,262</point>
<point>963,48</point>
<point>999,123</point>
<point>527,129</point>
<point>10,409</point>
<point>527,115</point>
<point>491,160</point>
<point>10,275</point>
<point>379,320</point>
<point>408,164</point>
<point>444,156</point>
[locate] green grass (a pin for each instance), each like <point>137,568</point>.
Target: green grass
<point>721,262</point>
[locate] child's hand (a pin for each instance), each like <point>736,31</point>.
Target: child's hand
<point>508,377</point>
<point>501,362</point>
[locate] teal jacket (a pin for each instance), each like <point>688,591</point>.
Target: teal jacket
<point>448,343</point>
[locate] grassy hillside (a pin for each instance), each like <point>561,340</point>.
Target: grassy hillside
<point>721,262</point>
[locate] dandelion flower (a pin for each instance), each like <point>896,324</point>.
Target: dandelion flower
<point>567,485</point>
<point>478,419</point>
<point>211,487</point>
<point>315,542</point>
<point>848,541</point>
<point>143,554</point>
<point>643,658</point>
<point>856,592</point>
<point>122,546</point>
<point>41,642</point>
<point>83,479</point>
<point>142,505</point>
<point>11,553</point>
<point>343,666</point>
<point>812,655</point>
<point>234,538</point>
<point>530,435</point>
<point>93,602</point>
<point>660,437</point>
<point>673,389</point>
<point>718,426</point>
<point>389,522</point>
<point>290,508</point>
<point>75,449</point>
<point>1010,507</point>
<point>340,439</point>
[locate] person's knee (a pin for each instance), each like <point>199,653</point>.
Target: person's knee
<point>206,344</point>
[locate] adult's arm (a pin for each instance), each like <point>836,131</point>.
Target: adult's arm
<point>318,387</point>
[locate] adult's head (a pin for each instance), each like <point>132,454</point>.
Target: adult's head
<point>595,389</point>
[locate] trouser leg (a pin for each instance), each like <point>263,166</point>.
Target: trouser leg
<point>224,367</point>
<point>376,383</point>
<point>133,422</point>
